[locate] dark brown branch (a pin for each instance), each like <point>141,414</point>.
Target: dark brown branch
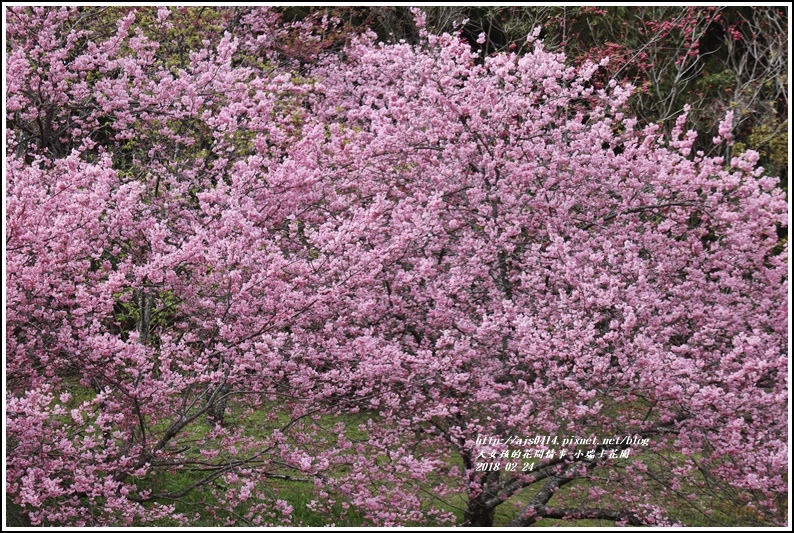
<point>642,209</point>
<point>577,513</point>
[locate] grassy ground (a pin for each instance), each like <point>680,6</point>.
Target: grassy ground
<point>203,505</point>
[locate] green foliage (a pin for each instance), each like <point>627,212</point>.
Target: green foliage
<point>770,139</point>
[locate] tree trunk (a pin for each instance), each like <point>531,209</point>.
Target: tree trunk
<point>145,304</point>
<point>217,410</point>
<point>478,515</point>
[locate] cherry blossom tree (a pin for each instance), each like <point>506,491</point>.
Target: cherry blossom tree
<point>380,277</point>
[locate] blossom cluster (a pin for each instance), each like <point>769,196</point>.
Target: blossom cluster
<point>228,271</point>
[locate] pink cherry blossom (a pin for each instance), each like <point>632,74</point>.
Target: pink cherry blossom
<point>341,272</point>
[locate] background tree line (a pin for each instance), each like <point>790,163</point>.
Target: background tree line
<point>264,265</point>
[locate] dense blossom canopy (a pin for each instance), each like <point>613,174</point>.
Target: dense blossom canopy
<point>371,275</point>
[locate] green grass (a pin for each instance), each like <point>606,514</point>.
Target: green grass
<point>259,424</point>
